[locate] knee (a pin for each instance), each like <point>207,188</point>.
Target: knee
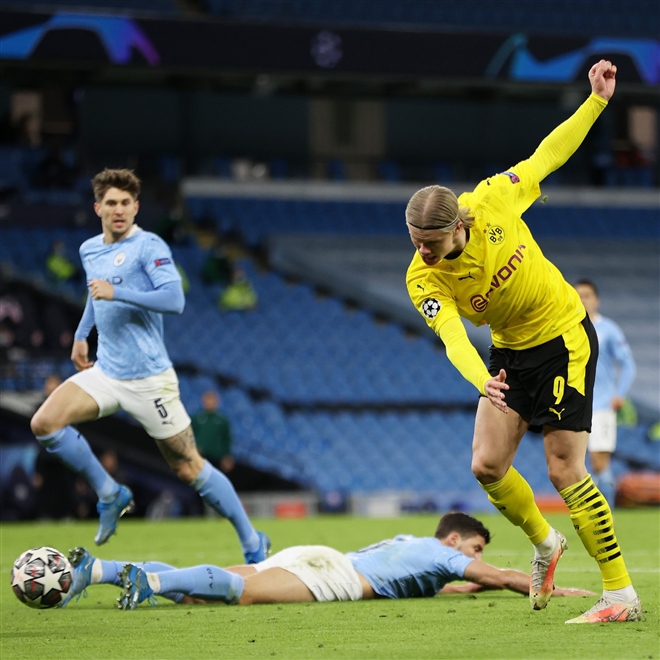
<point>555,476</point>
<point>41,425</point>
<point>486,472</point>
<point>563,474</point>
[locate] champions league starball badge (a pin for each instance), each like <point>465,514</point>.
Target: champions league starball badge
<point>431,307</point>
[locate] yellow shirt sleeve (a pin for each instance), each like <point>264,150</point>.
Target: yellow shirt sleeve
<point>462,354</point>
<point>440,313</point>
<point>431,300</point>
<point>519,187</point>
<point>564,141</point>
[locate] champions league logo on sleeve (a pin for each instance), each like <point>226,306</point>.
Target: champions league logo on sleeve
<point>431,307</point>
<point>162,262</point>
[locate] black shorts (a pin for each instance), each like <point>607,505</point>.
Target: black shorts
<point>552,383</point>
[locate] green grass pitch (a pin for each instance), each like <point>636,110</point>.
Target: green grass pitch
<point>491,625</point>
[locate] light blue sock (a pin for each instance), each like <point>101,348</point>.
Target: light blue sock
<point>111,570</point>
<point>217,491</point>
<point>74,451</point>
<point>207,582</point>
<point>606,483</point>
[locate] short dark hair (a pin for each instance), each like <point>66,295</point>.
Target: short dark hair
<point>586,282</point>
<point>459,522</point>
<point>121,179</point>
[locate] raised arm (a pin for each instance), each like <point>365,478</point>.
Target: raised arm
<point>564,141</point>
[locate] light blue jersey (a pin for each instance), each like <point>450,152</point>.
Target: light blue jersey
<point>615,369</point>
<point>409,567</point>
<point>130,337</point>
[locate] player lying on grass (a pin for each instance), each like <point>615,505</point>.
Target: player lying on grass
<point>403,567</point>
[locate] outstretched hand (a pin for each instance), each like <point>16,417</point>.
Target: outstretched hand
<point>495,388</point>
<point>602,77</point>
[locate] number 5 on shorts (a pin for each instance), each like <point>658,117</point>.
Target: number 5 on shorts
<point>163,413</point>
<point>558,389</point>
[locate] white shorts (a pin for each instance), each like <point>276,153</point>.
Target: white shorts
<point>326,572</point>
<point>603,431</point>
<point>154,401</point>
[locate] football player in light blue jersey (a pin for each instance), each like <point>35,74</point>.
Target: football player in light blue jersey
<point>132,282</point>
<point>403,567</point>
<point>615,372</point>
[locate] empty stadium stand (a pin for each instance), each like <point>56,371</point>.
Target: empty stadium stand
<point>321,393</point>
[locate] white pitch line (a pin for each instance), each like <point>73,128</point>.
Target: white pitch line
<point>511,553</point>
<point>560,569</point>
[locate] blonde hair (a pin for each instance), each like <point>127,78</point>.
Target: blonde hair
<point>436,207</point>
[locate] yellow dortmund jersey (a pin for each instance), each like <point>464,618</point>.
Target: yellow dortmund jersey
<point>502,278</point>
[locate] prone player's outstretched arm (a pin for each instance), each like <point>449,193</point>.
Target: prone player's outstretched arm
<point>483,577</point>
<point>564,140</point>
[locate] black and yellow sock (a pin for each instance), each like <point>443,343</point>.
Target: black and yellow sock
<point>514,499</point>
<point>592,520</point>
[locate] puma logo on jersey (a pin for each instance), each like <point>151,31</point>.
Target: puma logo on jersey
<point>419,286</point>
<point>557,412</point>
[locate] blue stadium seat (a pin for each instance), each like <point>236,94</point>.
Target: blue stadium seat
<point>300,349</point>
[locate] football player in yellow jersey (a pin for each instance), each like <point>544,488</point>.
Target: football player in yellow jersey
<point>476,258</point>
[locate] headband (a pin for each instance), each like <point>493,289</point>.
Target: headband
<point>449,226</point>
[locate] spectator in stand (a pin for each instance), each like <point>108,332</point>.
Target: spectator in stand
<point>172,227</point>
<point>239,296</point>
<point>237,292</point>
<point>58,265</point>
<point>218,267</point>
<point>213,433</point>
<point>615,372</point>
